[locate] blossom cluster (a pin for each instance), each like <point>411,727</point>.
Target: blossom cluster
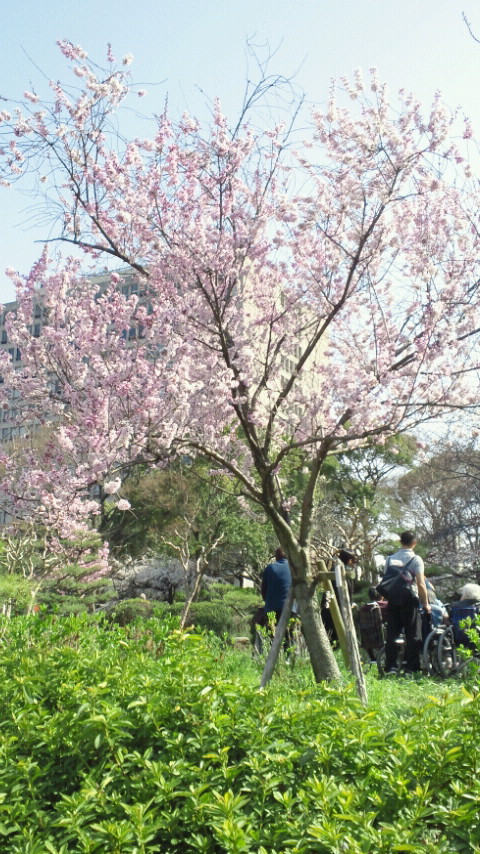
<point>269,320</point>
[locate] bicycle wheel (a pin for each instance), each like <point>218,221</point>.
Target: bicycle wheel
<point>446,654</point>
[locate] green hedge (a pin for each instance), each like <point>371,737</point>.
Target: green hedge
<point>228,614</point>
<point>132,741</point>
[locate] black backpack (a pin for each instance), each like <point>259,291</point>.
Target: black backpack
<point>397,581</point>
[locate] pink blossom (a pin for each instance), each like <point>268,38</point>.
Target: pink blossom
<point>123,504</point>
<point>112,486</point>
<point>282,305</point>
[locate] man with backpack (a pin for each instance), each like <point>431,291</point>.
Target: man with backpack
<point>403,586</point>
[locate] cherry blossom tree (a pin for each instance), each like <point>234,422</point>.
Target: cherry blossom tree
<point>294,300</point>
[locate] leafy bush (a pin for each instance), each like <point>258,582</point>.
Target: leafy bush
<point>17,588</point>
<point>242,604</point>
<point>124,740</point>
<point>211,616</point>
<point>129,610</point>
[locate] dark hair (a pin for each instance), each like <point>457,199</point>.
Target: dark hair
<point>373,594</point>
<point>345,555</point>
<point>279,554</point>
<point>407,538</point>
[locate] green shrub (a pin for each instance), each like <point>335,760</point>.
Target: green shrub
<point>242,604</point>
<point>211,616</point>
<point>18,588</point>
<point>133,739</point>
<point>129,610</point>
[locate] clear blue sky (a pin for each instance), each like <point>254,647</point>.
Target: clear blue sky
<point>194,45</point>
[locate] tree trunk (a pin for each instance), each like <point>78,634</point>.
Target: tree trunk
<point>191,598</point>
<point>323,661</point>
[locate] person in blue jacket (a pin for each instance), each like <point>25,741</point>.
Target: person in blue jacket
<point>276,583</point>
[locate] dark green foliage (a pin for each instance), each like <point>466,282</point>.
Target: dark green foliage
<point>187,502</point>
<point>241,603</point>
<point>222,610</point>
<point>67,576</point>
<point>357,503</point>
<point>215,616</point>
<point>212,616</point>
<point>131,740</point>
<point>129,610</point>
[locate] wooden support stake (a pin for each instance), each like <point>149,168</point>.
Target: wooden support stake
<point>337,618</point>
<point>326,577</point>
<point>355,663</point>
<point>276,646</point>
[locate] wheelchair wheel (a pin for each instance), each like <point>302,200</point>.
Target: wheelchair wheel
<point>446,654</point>
<point>299,646</point>
<point>430,653</point>
<point>365,659</point>
<point>381,658</point>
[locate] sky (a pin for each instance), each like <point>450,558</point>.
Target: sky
<point>195,50</point>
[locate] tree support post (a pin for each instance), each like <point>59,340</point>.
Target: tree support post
<point>355,664</point>
<point>326,579</point>
<point>280,630</point>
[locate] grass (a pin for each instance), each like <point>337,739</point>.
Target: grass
<point>392,699</point>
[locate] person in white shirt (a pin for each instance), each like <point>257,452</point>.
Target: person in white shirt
<point>403,586</point>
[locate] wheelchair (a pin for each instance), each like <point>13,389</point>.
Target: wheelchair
<point>439,655</point>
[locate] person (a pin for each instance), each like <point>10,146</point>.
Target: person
<point>276,583</point>
<point>403,586</point>
<point>468,607</point>
<point>349,560</point>
<point>375,596</point>
<point>370,624</point>
<point>439,612</point>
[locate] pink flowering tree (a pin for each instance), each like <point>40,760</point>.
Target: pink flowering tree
<point>292,304</point>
